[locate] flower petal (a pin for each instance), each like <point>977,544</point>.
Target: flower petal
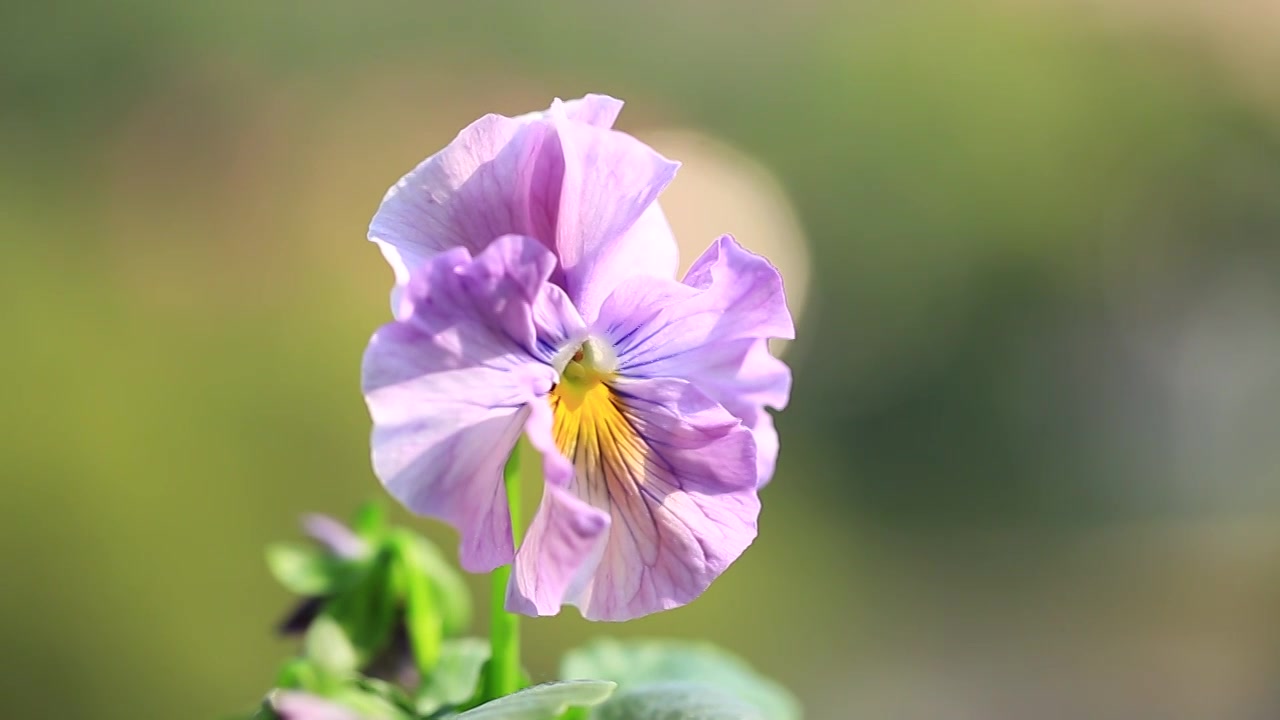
<point>675,474</point>
<point>742,372</point>
<point>649,249</point>
<point>560,328</point>
<point>505,175</point>
<point>337,538</point>
<point>593,109</point>
<point>713,331</point>
<point>553,562</point>
<point>608,227</point>
<point>729,294</point>
<point>565,532</point>
<point>499,176</point>
<point>448,388</point>
<point>760,423</point>
<point>744,377</point>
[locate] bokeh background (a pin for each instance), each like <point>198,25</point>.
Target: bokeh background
<point>1032,464</point>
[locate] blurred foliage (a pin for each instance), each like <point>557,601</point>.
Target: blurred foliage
<point>1032,445</point>
<point>657,674</point>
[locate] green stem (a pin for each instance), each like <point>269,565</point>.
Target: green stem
<point>421,616</point>
<point>504,627</point>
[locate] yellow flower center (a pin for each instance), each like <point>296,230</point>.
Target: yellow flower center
<point>595,430</point>
<point>580,379</point>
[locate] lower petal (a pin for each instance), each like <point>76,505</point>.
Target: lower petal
<point>555,559</point>
<point>675,474</point>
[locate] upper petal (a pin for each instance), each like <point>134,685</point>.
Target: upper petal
<point>593,109</point>
<point>673,473</point>
<point>499,176</point>
<point>448,388</point>
<point>520,175</point>
<point>610,181</point>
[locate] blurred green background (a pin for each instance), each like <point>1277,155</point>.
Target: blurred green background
<point>1032,463</point>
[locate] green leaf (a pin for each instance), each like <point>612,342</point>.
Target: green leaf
<point>452,598</point>
<point>421,614</point>
<point>328,646</point>
<point>639,663</point>
<point>370,706</point>
<point>370,521</point>
<point>367,610</point>
<point>303,569</point>
<point>346,703</point>
<point>388,691</point>
<point>299,674</point>
<point>456,677</point>
<point>484,683</point>
<point>676,701</point>
<point>542,702</point>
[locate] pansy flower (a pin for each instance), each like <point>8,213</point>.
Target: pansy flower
<point>536,293</point>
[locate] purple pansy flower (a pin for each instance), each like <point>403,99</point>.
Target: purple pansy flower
<point>536,293</point>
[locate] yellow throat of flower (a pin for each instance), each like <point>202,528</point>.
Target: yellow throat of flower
<point>583,380</point>
<point>591,429</point>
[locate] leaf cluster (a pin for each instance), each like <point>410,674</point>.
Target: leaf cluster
<point>384,619</point>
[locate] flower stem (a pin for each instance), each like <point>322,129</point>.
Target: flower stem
<point>504,627</point>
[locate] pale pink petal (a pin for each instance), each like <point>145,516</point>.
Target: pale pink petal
<point>299,705</point>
